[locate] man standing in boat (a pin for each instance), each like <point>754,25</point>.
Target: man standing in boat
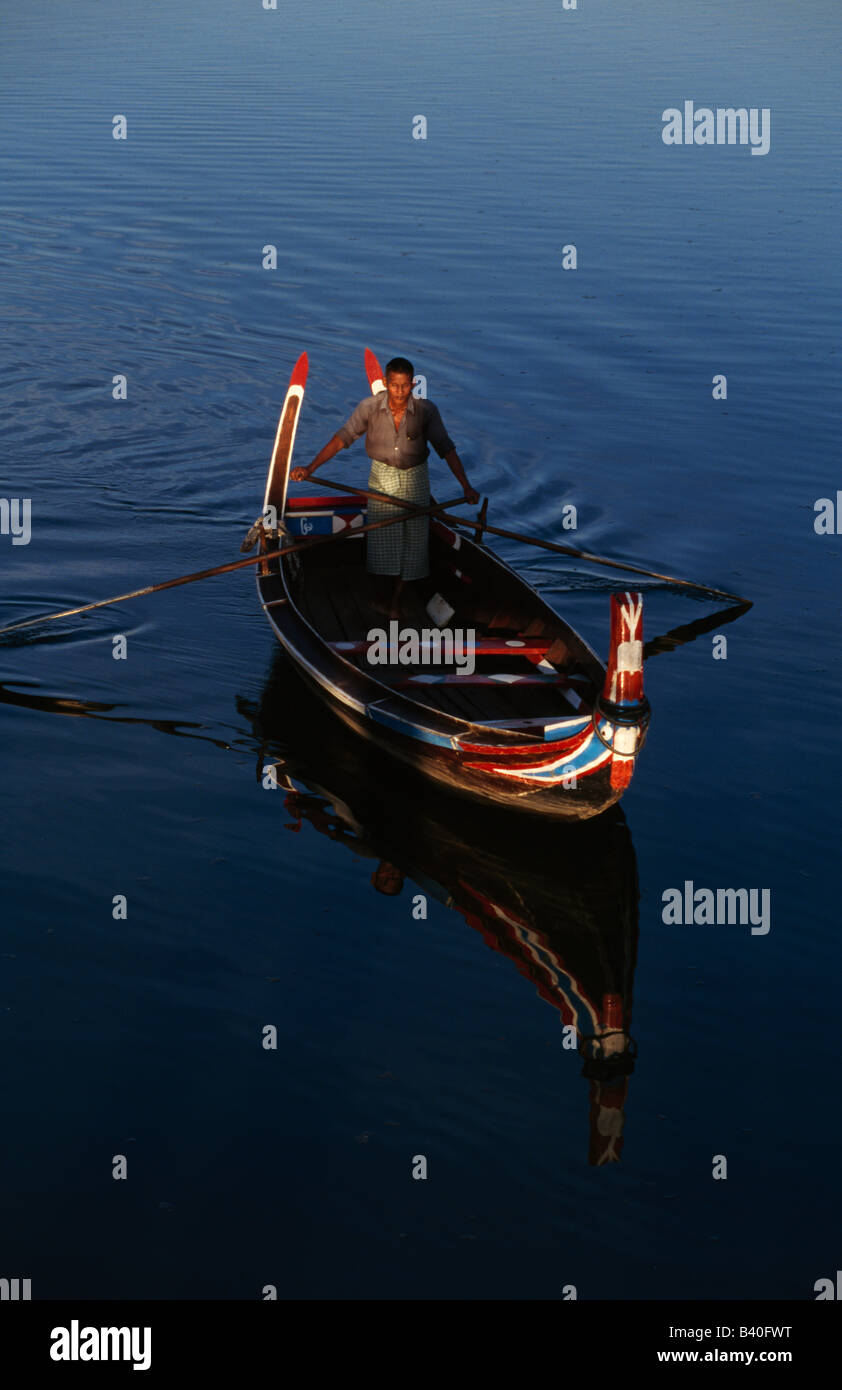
<point>398,428</point>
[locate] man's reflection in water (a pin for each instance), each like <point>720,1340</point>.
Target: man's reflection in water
<point>387,878</point>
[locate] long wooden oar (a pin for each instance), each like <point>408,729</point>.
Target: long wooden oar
<point>482,525</point>
<point>306,544</point>
<point>374,496</point>
<point>594,559</point>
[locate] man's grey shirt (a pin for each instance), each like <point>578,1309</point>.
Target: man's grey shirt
<point>403,448</point>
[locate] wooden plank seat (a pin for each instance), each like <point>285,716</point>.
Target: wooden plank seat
<point>484,646</point>
<point>505,678</point>
<point>452,567</point>
<point>353,501</point>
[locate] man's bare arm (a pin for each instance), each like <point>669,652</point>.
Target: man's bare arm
<point>332,447</point>
<point>454,463</point>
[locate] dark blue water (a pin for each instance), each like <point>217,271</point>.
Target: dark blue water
<point>247,907</point>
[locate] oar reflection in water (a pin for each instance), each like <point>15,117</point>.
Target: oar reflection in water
<point>688,632</point>
<point>96,709</point>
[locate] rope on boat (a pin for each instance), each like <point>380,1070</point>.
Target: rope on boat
<point>639,715</point>
<point>260,530</point>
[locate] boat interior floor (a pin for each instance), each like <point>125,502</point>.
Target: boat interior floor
<point>343,602</point>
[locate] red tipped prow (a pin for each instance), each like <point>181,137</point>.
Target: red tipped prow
<point>624,677</point>
<point>276,483</point>
<point>622,700</point>
<point>374,372</point>
<point>299,371</point>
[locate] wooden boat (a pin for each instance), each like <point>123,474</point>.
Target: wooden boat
<point>539,724</point>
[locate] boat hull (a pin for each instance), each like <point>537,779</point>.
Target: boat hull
<point>591,797</point>
<point>572,778</point>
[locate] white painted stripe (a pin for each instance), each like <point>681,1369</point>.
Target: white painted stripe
<point>529,774</point>
<point>293,392</point>
<point>625,742</point>
<point>630,657</point>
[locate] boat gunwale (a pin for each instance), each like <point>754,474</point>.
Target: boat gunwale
<point>454,726</point>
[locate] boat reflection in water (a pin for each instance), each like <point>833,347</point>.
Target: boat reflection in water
<point>561,901</point>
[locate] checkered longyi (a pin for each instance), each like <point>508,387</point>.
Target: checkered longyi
<point>402,549</point>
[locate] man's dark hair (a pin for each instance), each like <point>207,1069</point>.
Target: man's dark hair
<point>400,364</point>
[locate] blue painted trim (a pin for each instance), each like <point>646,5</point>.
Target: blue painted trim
<point>406,727</point>
<point>566,730</point>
